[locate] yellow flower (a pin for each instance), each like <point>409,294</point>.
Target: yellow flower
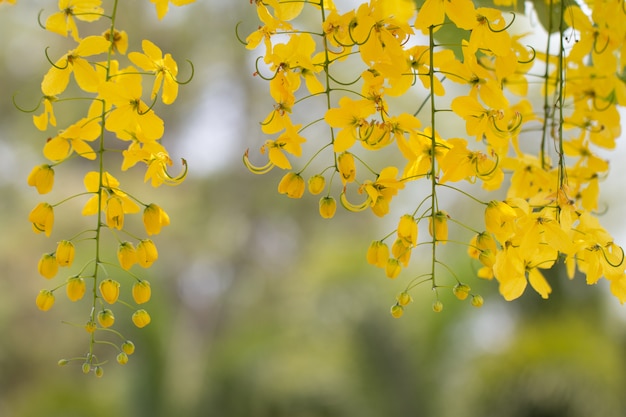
<point>350,117</point>
<point>407,229</point>
<point>439,231</point>
<point>328,206</point>
<point>164,69</point>
<point>346,167</point>
<point>154,217</point>
<point>393,268</point>
<point>141,292</point>
<point>56,79</point>
<point>110,290</point>
<point>120,40</point>
<point>106,318</point>
<point>127,255</point>
<point>115,213</point>
<point>146,253</point>
<point>130,112</point>
<point>63,22</point>
<point>41,121</point>
<point>141,318</point>
<point>42,218</point>
<point>73,139</point>
<point>289,141</point>
<point>433,12</point>
<point>162,6</point>
<point>378,254</point>
<point>65,253</point>
<point>109,185</point>
<point>292,184</point>
<point>75,288</point>
<point>42,178</point>
<point>44,300</point>
<point>381,191</point>
<point>401,251</point>
<point>48,266</point>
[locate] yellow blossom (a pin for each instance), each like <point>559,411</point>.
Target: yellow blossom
<point>42,218</point>
<point>62,22</point>
<point>44,300</point>
<point>346,167</point>
<point>42,178</point>
<point>73,139</point>
<point>146,253</point>
<point>127,255</point>
<point>41,121</point>
<point>378,254</point>
<point>48,266</point>
<point>154,217</point>
<point>164,69</point>
<point>115,213</point>
<point>350,117</point>
<point>439,231</point>
<point>292,184</point>
<point>393,268</point>
<point>65,253</point>
<point>162,6</point>
<point>407,229</point>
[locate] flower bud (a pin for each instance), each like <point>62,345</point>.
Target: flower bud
<point>477,301</point>
<point>126,255</point>
<point>401,251</point>
<point>346,167</point>
<point>404,298</point>
<point>44,300</point>
<point>141,318</point>
<point>154,217</point>
<point>407,230</point>
<point>42,178</point>
<point>115,213</point>
<point>128,347</point>
<point>393,268</point>
<point>98,371</point>
<point>397,311</point>
<point>63,362</point>
<point>378,254</point>
<point>110,290</point>
<point>75,288</point>
<point>122,358</point>
<point>42,218</point>
<point>141,292</point>
<point>440,229</point>
<point>65,253</point>
<point>48,266</point>
<point>86,367</point>
<point>437,306</point>
<point>316,184</point>
<point>291,184</point>
<point>106,318</point>
<point>461,291</point>
<point>90,326</point>
<point>146,253</point>
<point>328,206</point>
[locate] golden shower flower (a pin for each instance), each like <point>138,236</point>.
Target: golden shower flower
<point>162,6</point>
<point>42,218</point>
<point>154,217</point>
<point>292,184</point>
<point>42,178</point>
<point>41,121</point>
<point>63,22</point>
<point>127,255</point>
<point>164,69</point>
<point>115,213</point>
<point>73,139</point>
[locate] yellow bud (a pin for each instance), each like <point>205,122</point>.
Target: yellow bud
<point>378,254</point>
<point>42,178</point>
<point>291,184</point>
<point>328,207</point>
<point>115,213</point>
<point>440,230</point>
<point>44,300</point>
<point>110,290</point>
<point>65,253</point>
<point>477,301</point>
<point>128,347</point>
<point>146,253</point>
<point>317,184</point>
<point>401,251</point>
<point>154,217</point>
<point>48,266</point>
<point>126,255</point>
<point>407,230</point>
<point>461,291</point>
<point>63,362</point>
<point>106,318</point>
<point>141,318</point>
<point>397,311</point>
<point>393,268</point>
<point>86,367</point>
<point>42,218</point>
<point>346,167</point>
<point>141,292</point>
<point>122,358</point>
<point>404,298</point>
<point>75,288</point>
<point>487,257</point>
<point>90,326</point>
<point>437,306</point>
<point>98,371</point>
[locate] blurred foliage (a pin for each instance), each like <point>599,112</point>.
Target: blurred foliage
<point>261,308</point>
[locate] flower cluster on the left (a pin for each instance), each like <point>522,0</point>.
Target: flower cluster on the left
<point>116,110</point>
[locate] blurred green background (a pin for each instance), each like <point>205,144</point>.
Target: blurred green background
<point>260,307</point>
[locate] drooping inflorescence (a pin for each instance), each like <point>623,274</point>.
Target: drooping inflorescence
<point>111,83</point>
<point>387,83</point>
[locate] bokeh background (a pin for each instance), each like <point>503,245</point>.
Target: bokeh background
<point>260,307</point>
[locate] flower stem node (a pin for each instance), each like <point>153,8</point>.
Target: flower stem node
<point>461,291</point>
<point>110,290</point>
<point>141,318</point>
<point>397,311</point>
<point>437,306</point>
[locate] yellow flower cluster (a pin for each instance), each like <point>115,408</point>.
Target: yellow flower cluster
<point>116,111</point>
<point>534,121</point>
